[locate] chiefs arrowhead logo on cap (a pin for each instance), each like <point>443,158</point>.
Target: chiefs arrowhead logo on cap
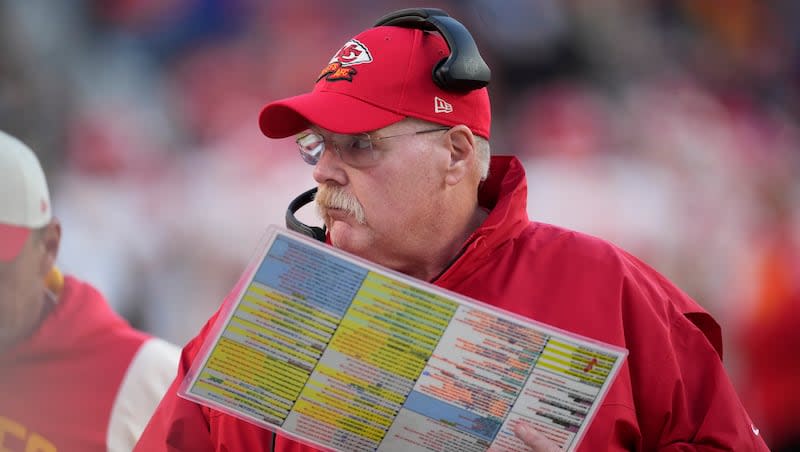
<point>339,67</point>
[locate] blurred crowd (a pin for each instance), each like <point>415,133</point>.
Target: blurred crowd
<point>670,127</point>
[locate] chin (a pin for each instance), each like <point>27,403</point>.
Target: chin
<point>349,236</point>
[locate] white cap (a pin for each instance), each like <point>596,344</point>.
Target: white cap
<point>24,198</point>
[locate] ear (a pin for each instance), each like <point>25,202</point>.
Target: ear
<point>461,144</point>
<point>50,242</point>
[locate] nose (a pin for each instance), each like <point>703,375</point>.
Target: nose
<point>330,167</point>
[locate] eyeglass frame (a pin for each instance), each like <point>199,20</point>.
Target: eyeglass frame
<point>312,159</point>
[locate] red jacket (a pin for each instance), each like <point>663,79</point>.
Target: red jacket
<point>84,381</point>
<point>672,393</point>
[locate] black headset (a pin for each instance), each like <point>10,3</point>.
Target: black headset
<point>296,225</point>
<point>463,70</point>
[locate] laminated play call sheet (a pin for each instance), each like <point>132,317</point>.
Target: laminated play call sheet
<point>341,354</point>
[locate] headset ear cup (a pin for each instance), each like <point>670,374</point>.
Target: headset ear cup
<point>440,74</point>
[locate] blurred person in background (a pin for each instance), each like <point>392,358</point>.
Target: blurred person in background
<point>75,376</point>
<point>410,185</point>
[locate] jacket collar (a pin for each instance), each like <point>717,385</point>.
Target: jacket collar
<point>505,194</point>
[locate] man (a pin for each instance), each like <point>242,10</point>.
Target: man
<point>405,180</point>
<point>74,376</point>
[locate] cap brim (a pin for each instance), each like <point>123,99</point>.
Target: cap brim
<point>338,113</point>
<point>12,240</point>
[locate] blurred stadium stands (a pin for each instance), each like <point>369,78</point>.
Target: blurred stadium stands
<point>668,127</point>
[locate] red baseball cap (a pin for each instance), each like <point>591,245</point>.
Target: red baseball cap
<point>376,79</point>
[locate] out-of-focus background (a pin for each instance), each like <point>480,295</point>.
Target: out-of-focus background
<point>668,127</point>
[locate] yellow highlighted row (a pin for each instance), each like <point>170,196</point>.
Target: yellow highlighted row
<point>586,378</point>
<point>351,380</point>
<point>226,394</point>
<point>278,297</point>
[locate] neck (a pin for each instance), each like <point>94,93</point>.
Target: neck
<point>34,312</point>
<point>437,264</point>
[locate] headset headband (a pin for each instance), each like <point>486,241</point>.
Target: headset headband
<point>464,69</point>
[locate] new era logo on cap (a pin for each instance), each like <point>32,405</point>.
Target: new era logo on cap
<point>441,106</point>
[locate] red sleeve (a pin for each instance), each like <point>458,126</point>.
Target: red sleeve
<point>682,302</point>
<point>181,425</point>
<point>178,424</point>
<point>683,397</point>
<point>706,413</point>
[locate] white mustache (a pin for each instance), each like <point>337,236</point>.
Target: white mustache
<point>334,197</point>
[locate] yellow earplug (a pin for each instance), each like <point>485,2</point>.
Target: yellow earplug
<point>54,281</point>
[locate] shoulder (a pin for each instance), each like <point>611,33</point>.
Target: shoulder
<point>601,267</point>
<point>155,356</point>
<point>578,250</point>
<point>151,370</point>
<point>149,375</point>
<point>573,248</point>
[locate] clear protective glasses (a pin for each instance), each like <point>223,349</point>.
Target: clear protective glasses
<point>356,150</point>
